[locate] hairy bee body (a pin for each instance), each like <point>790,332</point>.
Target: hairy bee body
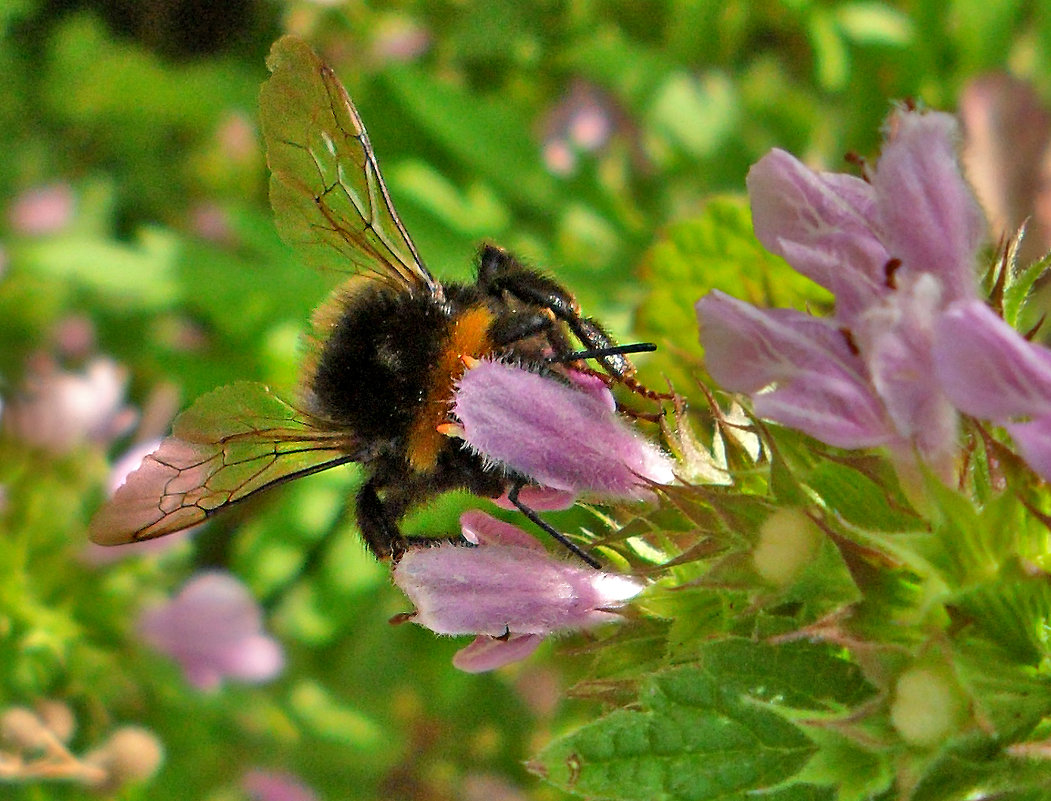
<point>387,349</point>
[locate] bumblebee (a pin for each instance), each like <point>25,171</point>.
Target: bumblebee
<point>386,351</point>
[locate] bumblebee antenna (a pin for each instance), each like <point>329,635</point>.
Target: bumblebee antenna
<point>598,353</point>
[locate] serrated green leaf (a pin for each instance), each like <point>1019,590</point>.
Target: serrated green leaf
<point>693,740</point>
<point>717,250</point>
<point>1011,697</point>
<point>701,734</point>
<point>979,768</point>
<point>860,500</point>
<point>1017,287</point>
<point>842,765</point>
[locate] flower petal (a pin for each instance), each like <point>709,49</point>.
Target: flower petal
<point>987,368</point>
<point>895,339</point>
<point>818,383</point>
<point>1033,440</point>
<point>490,653</point>
<point>823,225</point>
<point>558,436</point>
<point>930,218</point>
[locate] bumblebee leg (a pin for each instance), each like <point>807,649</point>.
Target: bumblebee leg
<point>498,272</point>
<point>378,527</point>
<point>511,328</point>
<point>559,537</point>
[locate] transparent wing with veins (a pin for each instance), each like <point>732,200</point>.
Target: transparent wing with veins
<point>230,445</point>
<point>329,198</point>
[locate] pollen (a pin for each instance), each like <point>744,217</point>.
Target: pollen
<point>451,430</point>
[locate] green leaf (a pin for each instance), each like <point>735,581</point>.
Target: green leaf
<point>693,740</point>
<point>841,764</point>
<point>859,499</point>
<point>979,768</point>
<point>1017,287</point>
<point>874,23</point>
<point>491,139</point>
<point>703,731</point>
<point>138,275</point>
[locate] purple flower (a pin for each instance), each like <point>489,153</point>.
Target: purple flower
<point>58,411</point>
<point>43,210</point>
<point>895,252</point>
<point>267,785</point>
<point>509,591</point>
<point>214,629</point>
<point>989,370</point>
<point>564,437</point>
<point>582,122</point>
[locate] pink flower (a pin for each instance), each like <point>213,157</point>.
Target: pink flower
<point>214,629</point>
<point>991,371</point>
<point>267,785</point>
<point>560,436</point>
<point>43,210</point>
<point>895,252</point>
<point>508,590</point>
<point>582,122</point>
<point>57,410</point>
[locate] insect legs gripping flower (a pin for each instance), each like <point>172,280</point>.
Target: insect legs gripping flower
<point>384,381</point>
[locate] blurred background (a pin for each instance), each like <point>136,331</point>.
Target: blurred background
<point>139,268</point>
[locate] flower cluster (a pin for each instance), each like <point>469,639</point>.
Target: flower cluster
<point>910,343</point>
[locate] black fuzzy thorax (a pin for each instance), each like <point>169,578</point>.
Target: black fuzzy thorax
<point>375,368</point>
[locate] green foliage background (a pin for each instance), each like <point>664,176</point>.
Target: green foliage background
<point>150,118</point>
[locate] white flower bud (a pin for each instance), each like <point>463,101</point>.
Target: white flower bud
<point>787,542</point>
<point>927,706</point>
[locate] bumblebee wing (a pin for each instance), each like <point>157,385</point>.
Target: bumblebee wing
<point>328,195</point>
<point>231,444</point>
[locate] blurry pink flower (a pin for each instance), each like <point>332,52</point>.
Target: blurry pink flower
<point>991,371</point>
<point>42,210</point>
<point>238,138</point>
<point>74,336</point>
<point>214,629</point>
<point>58,410</point>
<point>210,221</point>
<point>582,122</point>
<point>895,252</point>
<point>399,39</point>
<point>267,785</point>
<point>508,590</point>
<point>559,436</point>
